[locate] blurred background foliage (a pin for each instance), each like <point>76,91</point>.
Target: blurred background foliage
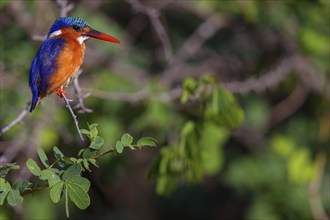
<point>236,93</point>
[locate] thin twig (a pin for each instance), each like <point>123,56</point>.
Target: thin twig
<point>18,119</point>
<point>314,188</point>
<point>74,117</point>
<point>81,104</point>
<point>202,33</point>
<point>288,106</point>
<point>122,96</point>
<point>39,37</point>
<point>111,150</point>
<point>65,7</point>
<point>159,28</point>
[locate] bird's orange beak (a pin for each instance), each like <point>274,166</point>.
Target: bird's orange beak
<point>101,36</point>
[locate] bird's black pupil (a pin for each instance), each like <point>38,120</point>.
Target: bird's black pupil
<point>76,27</point>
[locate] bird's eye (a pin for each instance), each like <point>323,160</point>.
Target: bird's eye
<point>76,27</point>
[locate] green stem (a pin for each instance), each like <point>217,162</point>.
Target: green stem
<point>54,163</point>
<point>111,150</point>
<point>66,203</point>
<point>34,189</point>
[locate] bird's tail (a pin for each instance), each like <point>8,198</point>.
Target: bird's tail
<point>34,102</point>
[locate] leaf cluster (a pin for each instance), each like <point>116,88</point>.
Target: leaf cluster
<point>64,175</point>
<point>198,151</point>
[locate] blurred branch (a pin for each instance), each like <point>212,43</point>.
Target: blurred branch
<point>122,96</point>
<point>139,96</point>
<point>194,43</point>
<point>39,37</point>
<point>18,119</point>
<point>154,15</point>
<point>203,32</point>
<point>267,81</point>
<point>289,105</point>
<point>314,188</point>
<point>295,64</point>
<point>64,7</point>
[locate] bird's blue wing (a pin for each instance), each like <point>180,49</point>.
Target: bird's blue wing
<point>43,65</point>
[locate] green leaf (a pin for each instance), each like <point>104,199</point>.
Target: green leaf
<point>67,160</point>
<point>22,186</point>
<point>93,130</point>
<point>283,146</point>
<point>187,129</point>
<point>190,84</point>
<point>33,167</point>
<point>119,147</point>
<point>5,168</point>
<point>165,185</point>
<point>223,109</point>
<point>43,157</point>
<point>299,161</point>
<point>126,140</point>
<point>14,198</point>
<point>78,196</point>
<point>73,159</point>
<point>93,161</point>
<point>77,189</point>
<point>88,153</point>
<point>147,141</point>
<point>57,153</point>
<point>96,143</point>
<point>4,189</point>
<point>56,191</point>
<point>81,152</point>
<point>184,96</point>
<point>212,140</point>
<point>84,131</point>
<point>73,170</point>
<point>81,181</point>
<point>86,164</point>
<point>46,174</point>
<point>4,185</point>
<point>53,179</point>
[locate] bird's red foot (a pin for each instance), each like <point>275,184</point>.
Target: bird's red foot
<point>60,92</point>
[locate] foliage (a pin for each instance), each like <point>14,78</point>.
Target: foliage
<point>66,180</point>
<point>236,93</point>
<point>199,151</point>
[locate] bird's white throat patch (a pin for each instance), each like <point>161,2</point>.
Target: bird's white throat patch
<point>81,39</point>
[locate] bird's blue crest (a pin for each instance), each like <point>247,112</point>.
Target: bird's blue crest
<point>67,22</point>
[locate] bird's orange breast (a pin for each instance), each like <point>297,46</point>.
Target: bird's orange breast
<point>68,62</point>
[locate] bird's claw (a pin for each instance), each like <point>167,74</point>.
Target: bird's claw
<point>60,92</point>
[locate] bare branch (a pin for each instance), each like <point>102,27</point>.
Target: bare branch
<point>314,188</point>
<point>81,104</point>
<point>289,105</point>
<point>39,37</point>
<point>153,15</point>
<point>18,119</point>
<point>65,7</point>
<point>203,32</point>
<point>122,96</point>
<point>268,81</point>
<point>74,117</point>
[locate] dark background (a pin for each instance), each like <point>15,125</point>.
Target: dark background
<point>272,55</point>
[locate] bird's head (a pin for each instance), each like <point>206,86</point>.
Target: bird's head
<point>78,28</point>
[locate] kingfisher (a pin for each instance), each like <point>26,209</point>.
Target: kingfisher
<point>60,57</point>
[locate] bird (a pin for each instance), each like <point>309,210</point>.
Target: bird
<point>60,57</point>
